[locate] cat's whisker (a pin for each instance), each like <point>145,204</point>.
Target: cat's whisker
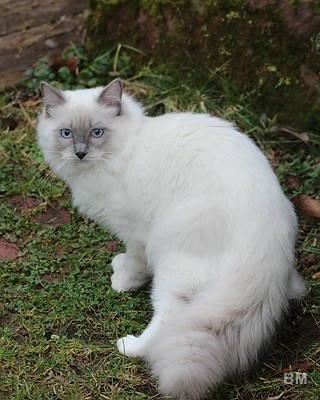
<point>56,170</point>
<point>44,168</point>
<point>46,179</point>
<point>108,161</point>
<point>97,167</point>
<point>68,168</point>
<point>105,166</point>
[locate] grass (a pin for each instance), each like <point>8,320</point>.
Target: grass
<point>59,318</point>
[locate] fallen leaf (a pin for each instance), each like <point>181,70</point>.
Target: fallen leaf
<point>56,61</point>
<point>111,246</point>
<point>295,367</point>
<point>304,137</point>
<point>31,103</point>
<point>272,157</point>
<point>263,120</point>
<point>316,275</point>
<point>307,205</point>
<point>275,397</point>
<point>292,182</point>
<point>8,251</point>
<point>48,278</point>
<point>308,261</point>
<point>52,43</point>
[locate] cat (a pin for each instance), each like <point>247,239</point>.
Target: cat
<point>199,210</point>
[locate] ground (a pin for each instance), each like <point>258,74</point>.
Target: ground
<point>59,317</point>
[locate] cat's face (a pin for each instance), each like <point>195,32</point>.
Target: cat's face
<point>75,127</point>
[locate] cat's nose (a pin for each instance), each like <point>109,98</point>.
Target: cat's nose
<point>81,154</point>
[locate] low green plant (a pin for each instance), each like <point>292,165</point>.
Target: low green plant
<point>76,69</point>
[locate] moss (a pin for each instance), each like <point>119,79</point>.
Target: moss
<point>254,46</point>
<point>316,7</point>
<point>294,3</point>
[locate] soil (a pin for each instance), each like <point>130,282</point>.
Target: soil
<point>8,251</point>
<point>49,216</point>
<point>30,29</point>
<point>54,216</point>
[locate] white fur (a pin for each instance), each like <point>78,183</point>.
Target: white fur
<point>201,211</point>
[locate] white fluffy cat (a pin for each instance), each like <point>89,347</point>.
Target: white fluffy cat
<point>199,210</point>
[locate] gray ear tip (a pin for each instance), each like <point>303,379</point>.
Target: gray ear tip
<point>119,82</point>
<point>50,95</point>
<point>42,87</point>
<point>110,95</point>
<point>44,84</point>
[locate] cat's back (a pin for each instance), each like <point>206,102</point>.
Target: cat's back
<point>195,132</point>
<point>196,164</point>
<point>202,144</point>
<point>186,155</point>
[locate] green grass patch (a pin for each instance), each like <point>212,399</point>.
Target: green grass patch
<point>59,318</point>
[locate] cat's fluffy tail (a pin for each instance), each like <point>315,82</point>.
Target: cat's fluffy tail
<point>212,337</point>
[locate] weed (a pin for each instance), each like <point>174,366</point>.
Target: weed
<point>76,69</point>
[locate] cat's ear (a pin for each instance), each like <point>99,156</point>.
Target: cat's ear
<point>52,97</point>
<point>111,95</point>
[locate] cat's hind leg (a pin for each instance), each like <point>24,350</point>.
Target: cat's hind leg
<point>165,306</point>
<point>172,290</point>
<point>129,269</point>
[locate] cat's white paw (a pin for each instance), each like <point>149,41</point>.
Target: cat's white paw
<point>124,279</point>
<point>121,282</point>
<point>130,346</point>
<point>118,262</point>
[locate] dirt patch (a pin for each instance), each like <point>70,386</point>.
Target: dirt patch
<point>22,203</point>
<point>8,251</point>
<point>8,122</point>
<point>54,216</point>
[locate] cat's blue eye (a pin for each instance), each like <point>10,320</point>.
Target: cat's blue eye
<point>66,133</point>
<point>97,133</point>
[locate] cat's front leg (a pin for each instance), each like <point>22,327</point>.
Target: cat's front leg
<point>129,269</point>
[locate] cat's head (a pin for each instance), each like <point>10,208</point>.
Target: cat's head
<point>78,129</point>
